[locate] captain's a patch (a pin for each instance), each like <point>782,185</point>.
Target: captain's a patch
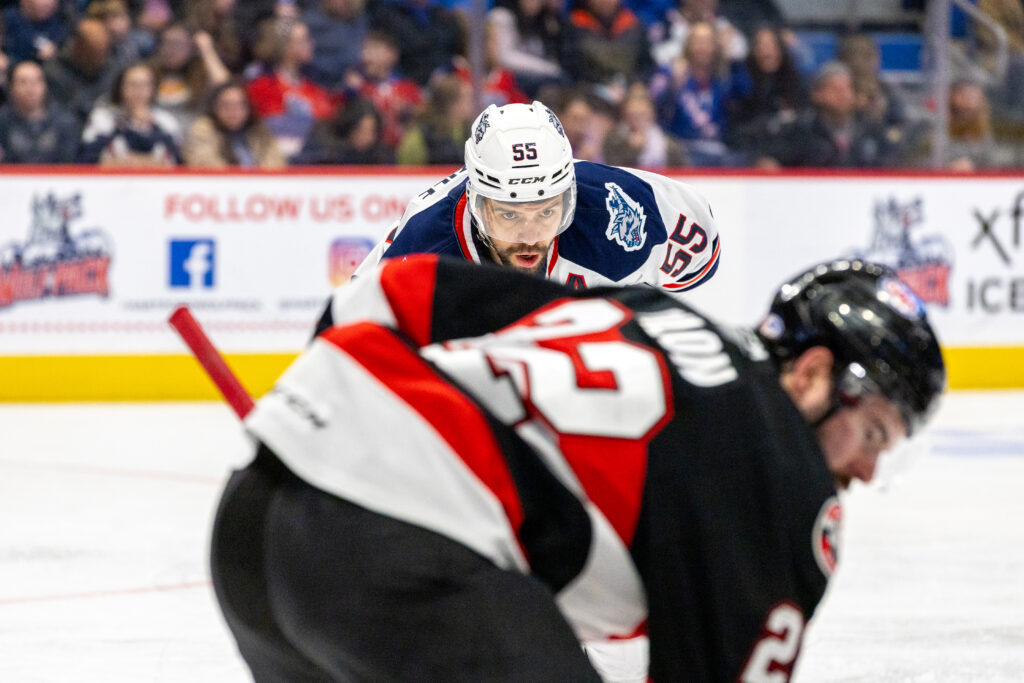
<point>626,219</point>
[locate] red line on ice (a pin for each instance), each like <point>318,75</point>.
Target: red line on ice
<point>114,592</point>
<point>93,469</point>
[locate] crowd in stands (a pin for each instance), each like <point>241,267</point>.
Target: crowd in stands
<point>271,83</point>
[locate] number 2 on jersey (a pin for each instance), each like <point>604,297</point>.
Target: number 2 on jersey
<point>773,656</point>
<point>572,367</point>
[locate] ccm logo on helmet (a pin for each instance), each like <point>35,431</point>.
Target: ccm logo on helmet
<point>526,181</point>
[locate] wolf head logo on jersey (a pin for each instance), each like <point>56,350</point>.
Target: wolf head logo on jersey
<point>626,225</point>
<point>826,535</point>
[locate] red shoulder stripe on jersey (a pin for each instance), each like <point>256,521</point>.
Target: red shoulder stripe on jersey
<point>696,278</point>
<point>459,224</point>
<point>554,256</point>
<point>408,284</point>
<point>453,415</point>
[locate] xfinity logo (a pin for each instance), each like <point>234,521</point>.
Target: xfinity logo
<point>526,181</point>
<point>1002,241</point>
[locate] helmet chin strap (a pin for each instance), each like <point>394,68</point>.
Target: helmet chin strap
<point>484,239</point>
<point>832,410</point>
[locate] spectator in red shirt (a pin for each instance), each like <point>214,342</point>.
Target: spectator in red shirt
<point>396,98</point>
<point>288,102</point>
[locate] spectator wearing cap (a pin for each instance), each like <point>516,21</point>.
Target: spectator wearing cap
<point>33,29</point>
<point>33,131</point>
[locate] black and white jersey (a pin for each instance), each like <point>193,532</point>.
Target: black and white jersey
<point>614,443</point>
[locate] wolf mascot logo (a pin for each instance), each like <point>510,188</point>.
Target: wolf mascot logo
<point>626,225</point>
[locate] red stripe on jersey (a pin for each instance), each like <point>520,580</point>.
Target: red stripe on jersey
<point>640,630</point>
<point>553,257</point>
<point>409,286</point>
<point>453,416</point>
<point>612,471</point>
<point>698,276</point>
<point>460,233</point>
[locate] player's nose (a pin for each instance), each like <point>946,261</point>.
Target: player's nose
<point>867,464</point>
<point>532,233</point>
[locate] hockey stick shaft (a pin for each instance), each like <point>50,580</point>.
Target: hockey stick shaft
<point>191,332</point>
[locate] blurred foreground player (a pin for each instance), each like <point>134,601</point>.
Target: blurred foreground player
<point>448,497</point>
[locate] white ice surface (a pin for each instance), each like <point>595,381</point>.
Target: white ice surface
<point>105,513</point>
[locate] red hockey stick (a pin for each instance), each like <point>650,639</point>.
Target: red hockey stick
<point>209,357</point>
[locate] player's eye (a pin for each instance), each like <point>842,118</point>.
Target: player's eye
<point>547,213</point>
<point>876,434</point>
<point>509,215</point>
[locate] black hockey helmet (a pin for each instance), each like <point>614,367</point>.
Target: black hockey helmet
<point>875,327</point>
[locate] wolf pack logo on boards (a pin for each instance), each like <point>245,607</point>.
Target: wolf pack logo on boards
<point>923,262</point>
<point>627,219</point>
<point>53,262</point>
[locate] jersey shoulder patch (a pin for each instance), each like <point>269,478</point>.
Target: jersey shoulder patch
<point>626,219</point>
<point>826,536</point>
<point>617,222</point>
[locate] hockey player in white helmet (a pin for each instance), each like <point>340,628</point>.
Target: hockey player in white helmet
<point>523,202</point>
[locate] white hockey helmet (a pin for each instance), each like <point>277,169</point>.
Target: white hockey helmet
<point>519,153</point>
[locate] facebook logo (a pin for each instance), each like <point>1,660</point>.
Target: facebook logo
<point>192,263</point>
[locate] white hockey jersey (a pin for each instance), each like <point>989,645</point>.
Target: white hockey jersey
<point>630,227</point>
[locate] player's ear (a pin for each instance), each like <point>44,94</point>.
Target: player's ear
<point>809,381</point>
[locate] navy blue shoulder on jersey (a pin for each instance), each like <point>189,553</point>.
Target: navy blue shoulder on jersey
<point>432,230</point>
<point>587,241</point>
